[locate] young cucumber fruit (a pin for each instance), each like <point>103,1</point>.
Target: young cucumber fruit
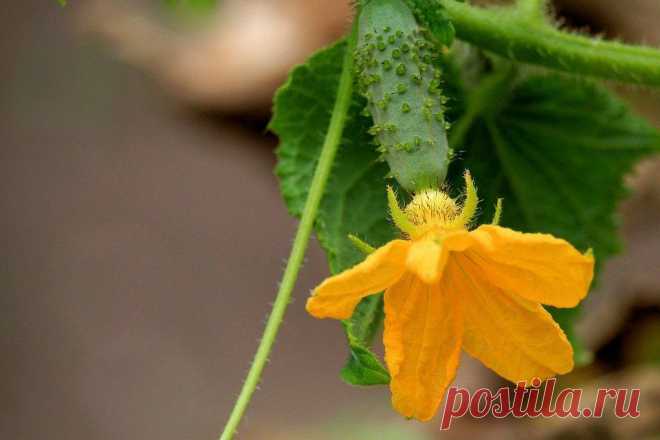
<point>396,73</point>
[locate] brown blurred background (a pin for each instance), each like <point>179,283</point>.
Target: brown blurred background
<point>144,235</point>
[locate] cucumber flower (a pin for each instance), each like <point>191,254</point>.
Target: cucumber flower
<point>449,288</point>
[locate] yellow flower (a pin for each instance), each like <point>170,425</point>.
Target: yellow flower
<point>449,288</point>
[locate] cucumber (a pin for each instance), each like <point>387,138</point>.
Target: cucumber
<point>396,73</point>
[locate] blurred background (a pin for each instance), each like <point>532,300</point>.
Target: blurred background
<point>143,234</point>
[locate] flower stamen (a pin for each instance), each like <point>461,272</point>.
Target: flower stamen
<point>431,206</point>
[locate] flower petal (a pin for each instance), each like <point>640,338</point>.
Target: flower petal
<point>424,260</point>
<point>538,267</point>
<point>427,256</point>
<point>423,329</point>
<point>513,336</point>
<point>337,296</point>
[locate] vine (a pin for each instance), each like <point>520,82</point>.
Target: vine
<point>518,33</point>
<point>301,240</point>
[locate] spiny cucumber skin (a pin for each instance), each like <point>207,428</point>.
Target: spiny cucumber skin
<point>396,74</point>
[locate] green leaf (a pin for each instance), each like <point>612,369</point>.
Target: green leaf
<point>354,201</point>
<point>363,368</point>
<point>434,17</point>
<point>557,150</point>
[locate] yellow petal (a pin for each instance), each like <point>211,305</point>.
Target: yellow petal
<point>423,328</point>
<point>538,267</point>
<point>427,256</point>
<point>515,337</point>
<point>337,296</point>
<point>424,260</point>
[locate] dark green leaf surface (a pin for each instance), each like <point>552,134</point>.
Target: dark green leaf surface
<point>363,368</point>
<point>556,149</point>
<point>354,200</point>
<point>557,152</point>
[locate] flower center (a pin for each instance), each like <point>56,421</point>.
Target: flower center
<point>432,207</point>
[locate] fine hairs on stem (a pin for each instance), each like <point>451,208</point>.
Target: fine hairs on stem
<point>520,33</point>
<point>321,174</point>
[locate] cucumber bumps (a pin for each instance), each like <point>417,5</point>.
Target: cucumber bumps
<point>396,73</point>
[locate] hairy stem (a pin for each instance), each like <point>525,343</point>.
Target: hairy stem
<point>326,159</point>
<point>532,9</point>
<point>509,33</point>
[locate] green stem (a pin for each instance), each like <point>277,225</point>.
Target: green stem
<point>509,33</point>
<point>532,9</point>
<point>326,159</point>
